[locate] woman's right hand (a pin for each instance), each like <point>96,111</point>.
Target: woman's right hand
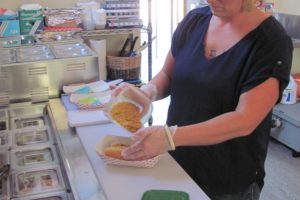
<point>149,142</point>
<point>117,89</point>
<point>149,90</point>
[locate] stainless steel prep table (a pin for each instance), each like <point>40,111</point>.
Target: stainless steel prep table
<point>41,150</point>
<point>83,181</point>
<point>79,148</point>
<point>36,78</point>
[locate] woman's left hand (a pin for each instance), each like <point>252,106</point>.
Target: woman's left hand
<point>150,142</point>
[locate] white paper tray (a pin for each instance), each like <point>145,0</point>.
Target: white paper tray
<point>108,140</point>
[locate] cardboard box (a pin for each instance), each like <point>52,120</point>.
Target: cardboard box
<point>9,28</point>
<point>31,21</point>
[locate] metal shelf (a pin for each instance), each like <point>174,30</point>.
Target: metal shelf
<point>147,29</point>
<point>108,32</point>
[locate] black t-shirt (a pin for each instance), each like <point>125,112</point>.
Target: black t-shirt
<point>202,89</point>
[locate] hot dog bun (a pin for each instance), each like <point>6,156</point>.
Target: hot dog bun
<point>115,150</point>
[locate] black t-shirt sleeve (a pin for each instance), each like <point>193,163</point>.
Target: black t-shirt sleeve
<point>272,59</point>
<point>179,35</point>
<point>186,26</point>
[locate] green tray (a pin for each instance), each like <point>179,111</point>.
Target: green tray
<point>165,195</point>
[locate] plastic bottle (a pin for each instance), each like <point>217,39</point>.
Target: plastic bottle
<point>289,95</point>
<point>87,20</point>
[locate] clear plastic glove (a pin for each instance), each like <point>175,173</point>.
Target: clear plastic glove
<point>133,94</point>
<point>117,89</point>
<point>150,142</point>
<point>150,90</point>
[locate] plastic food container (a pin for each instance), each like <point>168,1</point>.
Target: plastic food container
<point>131,95</point>
<point>5,140</point>
<point>60,195</point>
<point>36,156</point>
<point>21,139</point>
<point>37,182</point>
<point>110,139</point>
<point>165,194</point>
<point>28,123</point>
<point>70,50</point>
<point>29,54</point>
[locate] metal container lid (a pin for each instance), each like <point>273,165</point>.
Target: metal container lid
<point>290,113</point>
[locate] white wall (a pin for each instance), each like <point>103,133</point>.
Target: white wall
<point>14,4</point>
<point>290,7</point>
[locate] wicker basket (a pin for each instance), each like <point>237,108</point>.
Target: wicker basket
<point>127,68</point>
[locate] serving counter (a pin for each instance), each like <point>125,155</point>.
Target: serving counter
<point>93,179</point>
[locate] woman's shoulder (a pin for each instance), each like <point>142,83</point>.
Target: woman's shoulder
<point>272,28</point>
<point>201,11</point>
<point>196,16</point>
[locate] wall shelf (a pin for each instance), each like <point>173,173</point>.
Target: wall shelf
<point>109,32</point>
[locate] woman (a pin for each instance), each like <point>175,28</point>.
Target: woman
<point>227,67</point>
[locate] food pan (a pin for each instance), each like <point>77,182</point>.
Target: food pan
<point>70,50</point>
<point>28,123</point>
<point>28,111</point>
<point>5,140</point>
<point>30,137</point>
<point>37,181</point>
<point>60,195</point>
<point>34,53</point>
<point>35,156</point>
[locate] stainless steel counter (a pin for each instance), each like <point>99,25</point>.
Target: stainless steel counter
<point>32,74</point>
<point>82,179</point>
<point>91,178</point>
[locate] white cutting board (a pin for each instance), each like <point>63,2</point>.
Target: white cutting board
<point>78,118</point>
<point>130,183</point>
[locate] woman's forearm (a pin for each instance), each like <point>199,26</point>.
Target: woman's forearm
<point>216,130</point>
<point>251,110</point>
